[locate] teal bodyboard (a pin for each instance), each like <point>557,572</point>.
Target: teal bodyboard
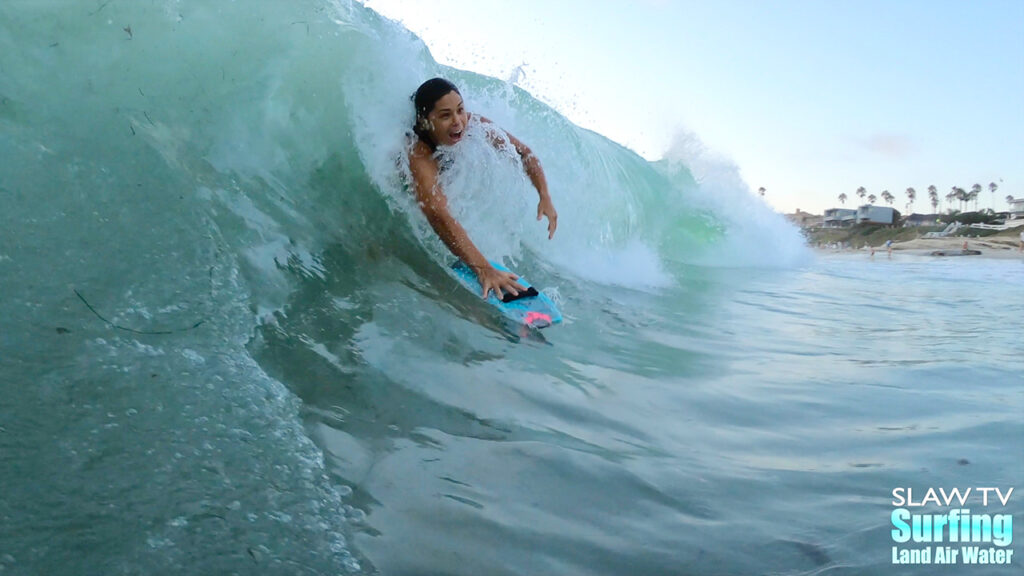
<point>534,311</point>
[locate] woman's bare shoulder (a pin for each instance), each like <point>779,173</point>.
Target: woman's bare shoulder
<point>419,152</point>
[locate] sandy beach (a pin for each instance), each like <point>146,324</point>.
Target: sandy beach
<point>992,247</point>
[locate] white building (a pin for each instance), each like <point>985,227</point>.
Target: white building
<point>1017,207</point>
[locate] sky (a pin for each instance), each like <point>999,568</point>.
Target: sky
<point>809,98</point>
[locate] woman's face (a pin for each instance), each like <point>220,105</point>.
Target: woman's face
<point>448,119</point>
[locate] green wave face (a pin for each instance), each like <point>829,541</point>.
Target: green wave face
<point>285,126</point>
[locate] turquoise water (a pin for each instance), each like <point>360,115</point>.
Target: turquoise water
<point>231,346</point>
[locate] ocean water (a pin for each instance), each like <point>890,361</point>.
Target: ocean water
<point>231,345</point>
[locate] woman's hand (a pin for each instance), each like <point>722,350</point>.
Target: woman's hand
<point>546,209</point>
<point>499,282</point>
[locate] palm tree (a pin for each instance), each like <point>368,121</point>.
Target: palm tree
<point>1009,200</point>
<point>887,197</point>
<point>761,191</point>
<point>975,192</point>
<point>871,198</point>
<point>961,196</point>
<point>911,194</point>
<point>861,192</point>
<point>949,199</point>
<point>933,195</point>
<point>842,198</point>
<point>992,187</point>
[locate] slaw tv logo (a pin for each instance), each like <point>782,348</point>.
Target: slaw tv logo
<point>963,526</point>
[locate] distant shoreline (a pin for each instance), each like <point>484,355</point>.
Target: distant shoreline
<point>1002,247</point>
<point>992,242</point>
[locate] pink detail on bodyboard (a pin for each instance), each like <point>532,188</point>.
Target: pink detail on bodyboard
<point>533,317</point>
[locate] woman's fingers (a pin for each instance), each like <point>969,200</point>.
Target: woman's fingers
<point>500,283</point>
<point>547,210</point>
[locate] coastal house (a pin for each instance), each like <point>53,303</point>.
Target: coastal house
<point>876,214</point>
<point>922,220</point>
<point>839,217</point>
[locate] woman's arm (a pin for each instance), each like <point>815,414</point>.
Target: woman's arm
<point>434,204</point>
<point>534,170</point>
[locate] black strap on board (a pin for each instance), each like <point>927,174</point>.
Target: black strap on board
<point>528,293</point>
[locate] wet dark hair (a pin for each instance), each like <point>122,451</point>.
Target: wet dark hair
<point>424,99</point>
